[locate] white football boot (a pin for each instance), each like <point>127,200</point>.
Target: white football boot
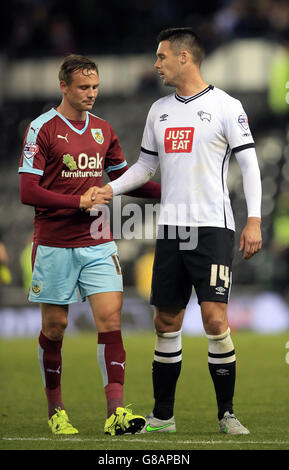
<point>159,425</point>
<point>230,425</point>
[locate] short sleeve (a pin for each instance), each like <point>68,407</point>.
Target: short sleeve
<point>34,152</point>
<point>149,144</point>
<point>236,126</point>
<point>114,159</point>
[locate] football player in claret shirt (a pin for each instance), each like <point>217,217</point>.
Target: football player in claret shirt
<point>191,134</point>
<point>65,154</point>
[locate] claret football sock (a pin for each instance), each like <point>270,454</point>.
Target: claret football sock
<point>166,369</point>
<point>111,359</point>
<point>222,367</point>
<point>50,360</point>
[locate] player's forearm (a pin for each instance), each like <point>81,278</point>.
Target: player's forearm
<point>253,195</point>
<point>150,190</point>
<point>248,162</point>
<point>255,220</point>
<point>137,175</point>
<point>34,195</point>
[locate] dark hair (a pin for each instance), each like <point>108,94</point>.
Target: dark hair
<point>184,37</point>
<point>74,62</point>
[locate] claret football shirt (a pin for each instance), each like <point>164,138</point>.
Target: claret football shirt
<point>193,138</point>
<point>69,157</point>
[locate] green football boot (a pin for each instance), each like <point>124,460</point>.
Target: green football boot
<point>122,421</point>
<point>60,424</point>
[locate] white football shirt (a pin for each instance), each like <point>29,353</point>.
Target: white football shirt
<point>193,138</point>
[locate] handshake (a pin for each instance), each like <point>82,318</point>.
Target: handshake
<point>95,195</point>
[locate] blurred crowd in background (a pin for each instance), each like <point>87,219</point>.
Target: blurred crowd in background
<point>34,28</point>
<point>52,28</point>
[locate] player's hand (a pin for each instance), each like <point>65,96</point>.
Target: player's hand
<point>93,196</point>
<point>101,196</point>
<point>251,238</point>
<point>107,191</point>
<point>87,199</point>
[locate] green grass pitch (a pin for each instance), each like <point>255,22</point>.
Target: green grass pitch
<point>261,396</point>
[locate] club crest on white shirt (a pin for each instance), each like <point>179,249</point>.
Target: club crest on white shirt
<point>204,116</point>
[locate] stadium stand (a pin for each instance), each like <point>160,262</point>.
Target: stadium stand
<point>35,31</point>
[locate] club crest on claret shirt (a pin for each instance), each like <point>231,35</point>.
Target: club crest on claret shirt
<point>97,135</point>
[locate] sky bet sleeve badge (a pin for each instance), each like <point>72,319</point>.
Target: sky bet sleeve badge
<point>243,121</point>
<point>97,135</point>
<point>30,150</point>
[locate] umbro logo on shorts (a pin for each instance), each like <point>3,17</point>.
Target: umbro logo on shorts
<point>220,290</point>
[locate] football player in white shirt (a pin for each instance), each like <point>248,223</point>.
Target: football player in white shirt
<point>191,135</point>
